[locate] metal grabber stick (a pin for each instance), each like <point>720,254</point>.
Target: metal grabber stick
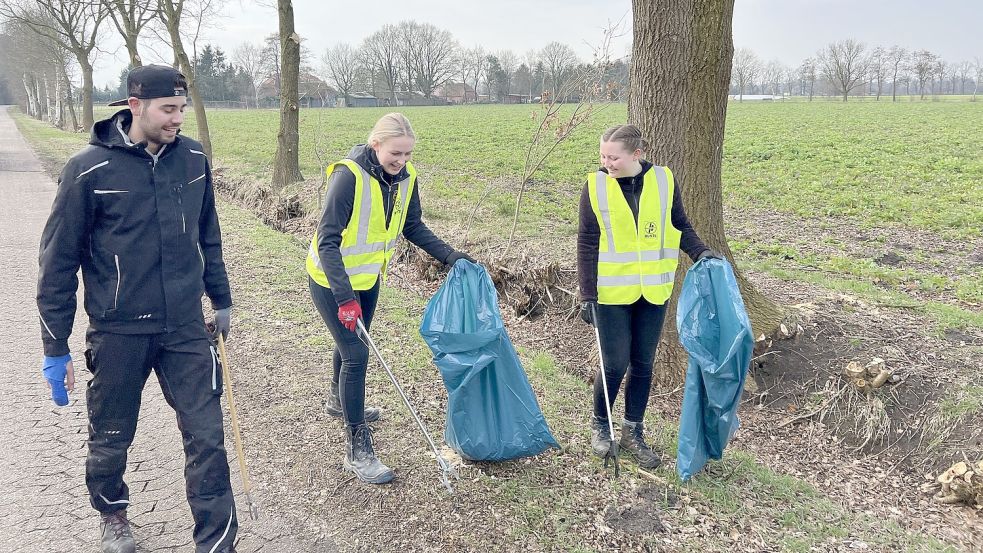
<point>446,470</point>
<point>243,471</point>
<point>612,453</point>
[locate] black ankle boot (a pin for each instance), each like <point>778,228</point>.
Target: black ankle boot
<point>332,406</point>
<point>633,443</point>
<point>116,535</point>
<point>360,457</point>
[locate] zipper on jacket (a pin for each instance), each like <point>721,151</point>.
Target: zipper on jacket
<point>119,277</point>
<point>202,256</point>
<point>214,369</point>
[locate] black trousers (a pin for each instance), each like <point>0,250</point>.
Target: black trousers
<point>629,337</point>
<point>190,377</point>
<point>351,356</point>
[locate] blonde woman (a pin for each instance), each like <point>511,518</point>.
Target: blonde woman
<point>372,198</point>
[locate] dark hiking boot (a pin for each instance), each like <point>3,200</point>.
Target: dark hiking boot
<point>116,535</point>
<point>332,406</point>
<point>633,443</point>
<point>360,458</point>
<point>600,437</point>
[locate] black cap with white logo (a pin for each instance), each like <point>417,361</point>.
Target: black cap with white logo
<point>154,81</point>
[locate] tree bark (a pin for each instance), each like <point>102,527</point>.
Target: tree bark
<point>170,14</point>
<point>286,164</point>
<point>680,75</point>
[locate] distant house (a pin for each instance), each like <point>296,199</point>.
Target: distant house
<point>757,97</point>
<point>360,100</point>
<point>456,93</point>
<point>312,92</point>
<point>414,98</point>
<point>514,99</point>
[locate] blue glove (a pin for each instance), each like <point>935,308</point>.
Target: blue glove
<point>55,371</point>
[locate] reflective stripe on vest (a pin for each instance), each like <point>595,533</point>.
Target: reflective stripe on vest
<point>635,260</point>
<point>367,243</point>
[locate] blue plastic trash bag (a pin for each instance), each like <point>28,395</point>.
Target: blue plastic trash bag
<point>714,328</point>
<point>492,413</point>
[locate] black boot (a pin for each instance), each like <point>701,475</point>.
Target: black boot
<point>633,443</point>
<point>600,437</point>
<point>116,535</point>
<point>360,458</point>
<point>332,406</point>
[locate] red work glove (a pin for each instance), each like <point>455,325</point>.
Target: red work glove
<point>348,313</point>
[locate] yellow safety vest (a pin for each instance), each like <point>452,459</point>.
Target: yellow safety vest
<point>367,243</point>
<point>640,260</point>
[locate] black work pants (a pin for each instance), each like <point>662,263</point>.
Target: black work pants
<point>629,337</point>
<point>351,356</point>
<point>190,377</point>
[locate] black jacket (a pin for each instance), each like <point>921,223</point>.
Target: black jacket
<point>338,203</point>
<point>144,231</point>
<point>589,233</point>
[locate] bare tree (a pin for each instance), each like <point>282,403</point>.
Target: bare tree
<point>773,76</point>
<point>171,14</point>
<point>341,67</point>
<point>978,66</point>
<point>286,162</point>
<point>807,77</point>
<point>383,49</point>
<point>746,67</point>
<point>471,67</point>
<point>844,64</point>
<point>879,61</point>
<point>940,70</point>
<point>271,61</point>
<point>509,62</point>
<point>249,58</point>
<point>896,57</point>
<point>72,24</point>
<point>432,60</point>
<point>130,17</point>
<point>960,74</point>
<point>558,60</point>
<point>680,72</point>
<point>923,65</point>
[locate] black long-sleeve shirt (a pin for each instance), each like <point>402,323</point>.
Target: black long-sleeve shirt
<point>338,204</point>
<point>589,232</point>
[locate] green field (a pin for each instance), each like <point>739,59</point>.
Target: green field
<point>920,164</point>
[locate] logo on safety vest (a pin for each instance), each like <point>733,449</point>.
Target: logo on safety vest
<point>651,230</point>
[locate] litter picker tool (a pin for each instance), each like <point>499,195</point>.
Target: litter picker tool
<point>612,454</point>
<point>446,470</point>
<point>243,471</point>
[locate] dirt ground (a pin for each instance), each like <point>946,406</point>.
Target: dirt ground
<point>872,454</point>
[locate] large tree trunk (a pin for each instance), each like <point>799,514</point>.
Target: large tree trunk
<point>130,38</point>
<point>680,74</point>
<point>286,164</point>
<point>87,117</point>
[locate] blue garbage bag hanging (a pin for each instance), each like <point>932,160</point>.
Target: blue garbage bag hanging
<point>714,328</point>
<point>492,412</point>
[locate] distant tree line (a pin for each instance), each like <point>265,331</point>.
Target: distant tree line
<point>849,68</point>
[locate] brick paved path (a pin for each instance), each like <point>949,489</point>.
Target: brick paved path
<point>44,505</point>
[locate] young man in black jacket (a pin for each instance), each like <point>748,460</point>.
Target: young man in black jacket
<point>136,211</point>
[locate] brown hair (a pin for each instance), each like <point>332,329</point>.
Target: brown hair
<point>390,125</point>
<point>629,135</point>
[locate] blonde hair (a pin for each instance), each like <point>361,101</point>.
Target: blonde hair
<point>629,135</point>
<point>390,125</point>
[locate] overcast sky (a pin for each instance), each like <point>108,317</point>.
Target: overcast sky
<point>786,30</point>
